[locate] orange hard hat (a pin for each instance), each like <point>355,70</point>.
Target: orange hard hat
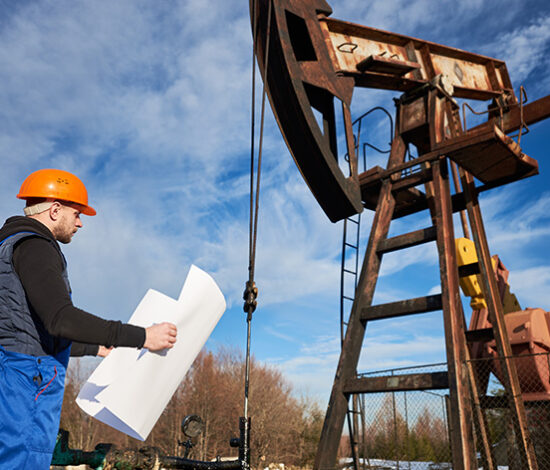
<point>56,184</point>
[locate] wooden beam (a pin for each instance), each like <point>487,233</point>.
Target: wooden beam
<point>429,303</point>
<point>398,383</point>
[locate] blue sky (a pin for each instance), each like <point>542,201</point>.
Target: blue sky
<point>149,103</point>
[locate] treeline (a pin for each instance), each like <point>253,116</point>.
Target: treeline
<point>284,429</point>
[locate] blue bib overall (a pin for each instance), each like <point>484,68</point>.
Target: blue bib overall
<point>32,373</point>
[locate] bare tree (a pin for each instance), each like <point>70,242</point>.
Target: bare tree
<point>284,428</point>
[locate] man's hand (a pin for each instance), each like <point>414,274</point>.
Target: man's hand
<point>103,351</point>
<point>161,336</point>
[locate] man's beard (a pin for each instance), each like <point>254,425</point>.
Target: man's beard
<point>64,231</point>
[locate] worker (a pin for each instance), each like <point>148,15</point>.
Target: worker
<point>38,321</point>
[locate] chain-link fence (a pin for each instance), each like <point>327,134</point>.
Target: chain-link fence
<point>402,430</point>
<point>410,429</point>
<point>499,423</point>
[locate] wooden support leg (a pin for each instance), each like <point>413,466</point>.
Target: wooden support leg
<point>526,451</point>
<point>351,348</point>
<point>462,439</point>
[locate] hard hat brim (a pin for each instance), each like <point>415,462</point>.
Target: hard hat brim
<point>87,210</point>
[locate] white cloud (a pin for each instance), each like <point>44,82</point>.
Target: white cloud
<point>149,104</point>
<point>314,368</point>
<point>532,286</point>
<point>513,221</point>
<point>525,48</point>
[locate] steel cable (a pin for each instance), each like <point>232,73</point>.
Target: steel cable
<point>251,292</point>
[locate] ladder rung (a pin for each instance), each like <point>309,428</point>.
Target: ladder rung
<point>350,245</point>
<point>421,203</point>
<point>429,303</point>
<point>349,272</point>
<point>353,220</point>
<point>348,298</point>
<point>397,383</point>
<point>407,240</point>
<point>491,402</point>
<point>412,180</point>
<point>484,334</point>
<point>406,201</point>
<point>468,269</point>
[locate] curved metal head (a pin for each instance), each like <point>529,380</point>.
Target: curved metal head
<point>309,62</point>
<point>301,80</point>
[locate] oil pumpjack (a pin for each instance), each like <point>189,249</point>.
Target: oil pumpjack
<point>311,64</point>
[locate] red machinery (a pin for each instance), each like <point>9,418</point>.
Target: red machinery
<point>528,330</point>
<point>528,333</point>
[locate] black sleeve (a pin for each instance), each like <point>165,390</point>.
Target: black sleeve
<point>39,266</point>
<point>83,349</point>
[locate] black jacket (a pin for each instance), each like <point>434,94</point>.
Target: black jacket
<point>39,266</point>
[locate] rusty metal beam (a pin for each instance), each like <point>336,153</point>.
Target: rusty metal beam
<point>472,75</point>
<point>532,113</point>
<point>412,180</point>
<point>491,155</point>
<point>489,402</point>
<point>496,317</point>
<point>429,303</point>
<point>484,334</point>
<point>458,201</point>
<point>370,180</point>
<point>398,383</point>
<point>351,348</point>
<point>462,439</point>
<point>407,240</point>
<point>370,183</point>
<point>476,382</point>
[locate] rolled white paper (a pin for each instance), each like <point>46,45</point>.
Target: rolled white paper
<point>130,388</point>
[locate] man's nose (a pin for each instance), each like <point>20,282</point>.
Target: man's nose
<point>79,223</point>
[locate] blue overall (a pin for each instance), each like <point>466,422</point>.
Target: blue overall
<point>32,373</point>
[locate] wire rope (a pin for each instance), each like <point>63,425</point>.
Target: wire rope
<point>251,291</point>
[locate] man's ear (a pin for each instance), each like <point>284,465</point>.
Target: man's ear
<point>55,210</point>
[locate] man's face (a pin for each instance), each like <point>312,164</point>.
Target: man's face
<point>67,224</point>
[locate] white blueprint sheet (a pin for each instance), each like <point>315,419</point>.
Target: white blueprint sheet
<point>130,388</point>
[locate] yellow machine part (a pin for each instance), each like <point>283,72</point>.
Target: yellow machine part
<point>466,254</point>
